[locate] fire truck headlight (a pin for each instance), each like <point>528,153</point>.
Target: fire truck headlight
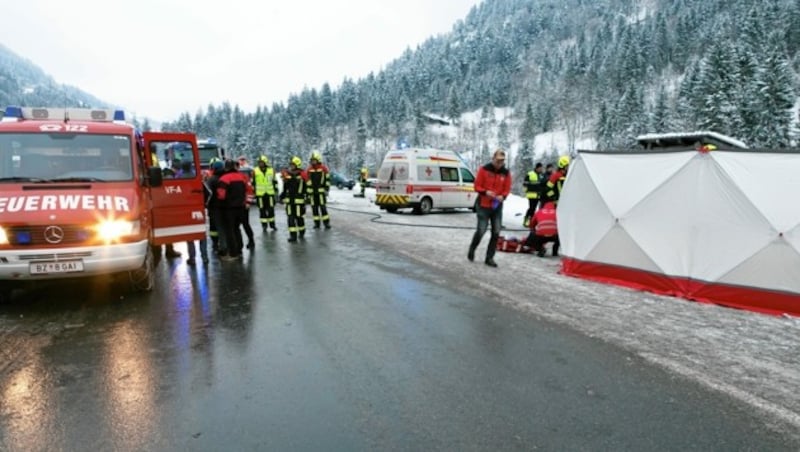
<point>116,229</point>
<point>3,236</point>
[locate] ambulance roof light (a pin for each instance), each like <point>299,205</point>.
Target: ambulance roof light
<point>12,114</point>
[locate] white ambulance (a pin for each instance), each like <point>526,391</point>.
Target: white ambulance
<point>424,179</point>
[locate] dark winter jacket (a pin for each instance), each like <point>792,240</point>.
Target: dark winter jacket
<point>232,190</point>
<point>294,186</point>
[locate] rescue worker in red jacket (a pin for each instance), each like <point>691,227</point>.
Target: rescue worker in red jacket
<point>544,229</point>
<point>319,184</point>
<point>232,194</point>
<point>493,184</point>
<point>556,181</point>
<point>294,196</point>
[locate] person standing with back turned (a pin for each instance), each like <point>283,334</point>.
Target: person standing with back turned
<point>492,185</point>
<point>294,196</point>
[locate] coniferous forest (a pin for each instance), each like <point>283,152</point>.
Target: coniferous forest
<point>602,70</point>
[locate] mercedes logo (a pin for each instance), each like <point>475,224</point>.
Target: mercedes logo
<point>54,234</point>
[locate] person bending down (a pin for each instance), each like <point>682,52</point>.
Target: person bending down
<point>544,229</point>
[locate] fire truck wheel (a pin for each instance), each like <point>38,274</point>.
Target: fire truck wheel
<point>143,278</point>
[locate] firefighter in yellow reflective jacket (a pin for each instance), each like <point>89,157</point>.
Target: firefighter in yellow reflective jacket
<point>294,197</point>
<point>532,185</point>
<point>362,179</point>
<point>556,182</point>
<point>265,186</point>
<point>317,188</point>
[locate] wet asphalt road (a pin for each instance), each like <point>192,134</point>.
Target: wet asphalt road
<point>331,344</point>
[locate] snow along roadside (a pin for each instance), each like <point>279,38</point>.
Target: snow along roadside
<point>751,357</point>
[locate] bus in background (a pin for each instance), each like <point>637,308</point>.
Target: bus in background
<point>208,149</point>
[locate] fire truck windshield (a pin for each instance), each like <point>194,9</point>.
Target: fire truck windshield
<point>41,157</point>
<point>207,149</point>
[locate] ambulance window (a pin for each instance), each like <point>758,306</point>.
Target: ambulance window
<point>449,174</point>
<point>393,172</point>
<point>466,175</point>
<point>428,173</point>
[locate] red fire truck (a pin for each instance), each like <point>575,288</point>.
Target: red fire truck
<point>82,194</point>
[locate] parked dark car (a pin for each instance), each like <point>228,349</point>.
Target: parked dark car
<point>339,180</point>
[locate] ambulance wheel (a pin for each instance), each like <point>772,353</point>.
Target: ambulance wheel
<point>143,278</point>
<point>391,209</point>
<point>425,206</point>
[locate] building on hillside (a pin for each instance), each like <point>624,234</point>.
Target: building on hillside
<point>688,140</point>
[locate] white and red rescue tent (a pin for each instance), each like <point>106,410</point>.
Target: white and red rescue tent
<point>720,226</point>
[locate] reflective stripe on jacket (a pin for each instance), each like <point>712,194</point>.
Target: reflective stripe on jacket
<point>265,181</point>
<point>554,185</point>
<point>532,185</point>
<point>319,179</point>
<point>545,222</point>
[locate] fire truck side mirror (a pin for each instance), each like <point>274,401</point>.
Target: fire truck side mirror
<point>155,176</point>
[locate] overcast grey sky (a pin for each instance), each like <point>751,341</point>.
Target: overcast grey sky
<point>159,58</point>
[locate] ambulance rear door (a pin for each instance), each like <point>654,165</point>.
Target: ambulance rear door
<point>178,204</point>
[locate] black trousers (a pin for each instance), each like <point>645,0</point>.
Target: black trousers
<point>295,210</point>
<point>232,234</point>
<point>214,227</point>
<point>319,208</point>
<point>537,243</point>
<point>245,222</point>
<point>266,210</point>
<point>532,203</point>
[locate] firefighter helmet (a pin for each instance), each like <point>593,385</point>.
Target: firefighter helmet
<point>264,159</point>
<point>296,161</point>
<point>563,161</point>
<point>316,156</point>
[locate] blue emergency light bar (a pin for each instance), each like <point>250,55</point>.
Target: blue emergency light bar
<point>15,113</point>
